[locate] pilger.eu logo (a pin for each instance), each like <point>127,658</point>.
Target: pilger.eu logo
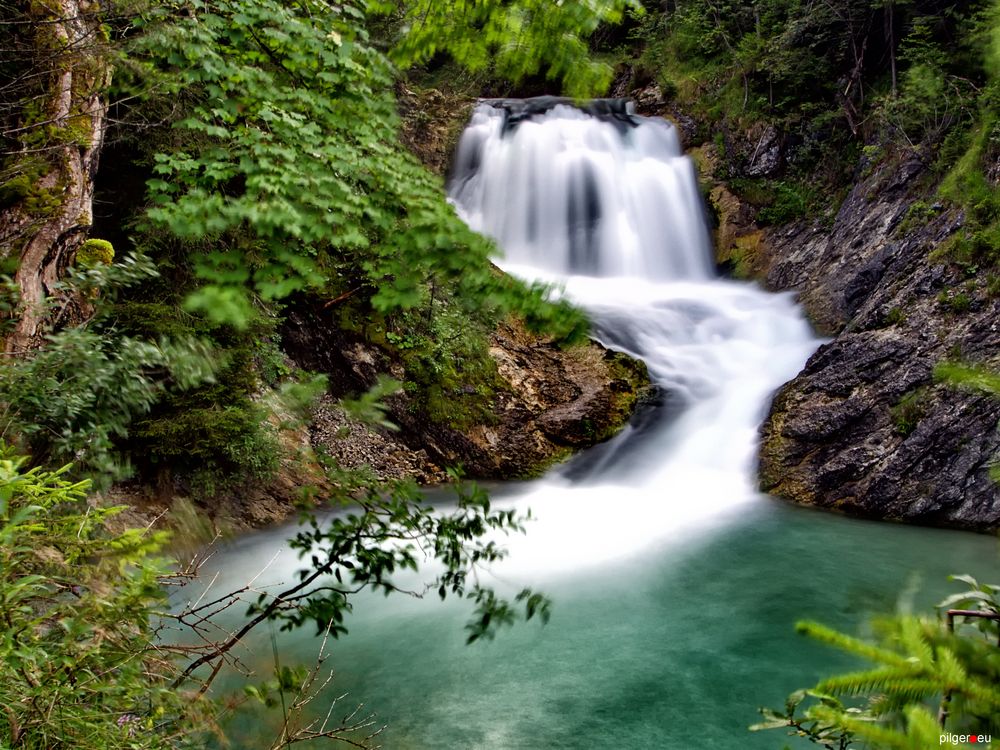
<point>972,739</point>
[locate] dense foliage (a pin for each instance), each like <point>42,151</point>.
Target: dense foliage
<point>72,399</point>
<point>831,78</point>
<point>286,173</point>
<point>79,666</point>
<point>267,136</point>
<point>930,679</point>
<point>513,40</point>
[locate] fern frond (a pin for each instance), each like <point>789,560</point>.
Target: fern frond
<point>951,671</point>
<point>850,644</point>
<point>922,731</point>
<point>913,691</point>
<point>922,727</point>
<point>894,681</point>
<point>911,638</point>
<point>879,735</point>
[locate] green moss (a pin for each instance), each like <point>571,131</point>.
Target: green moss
<point>744,257</point>
<point>910,410</point>
<point>25,175</point>
<point>15,190</point>
<point>95,253</point>
<point>539,469</point>
<point>444,350</point>
<point>630,379</point>
<point>22,188</point>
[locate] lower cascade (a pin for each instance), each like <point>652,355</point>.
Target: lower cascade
<point>675,583</point>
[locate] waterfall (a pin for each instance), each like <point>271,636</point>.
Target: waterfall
<point>676,586</point>
<point>606,204</point>
<point>577,193</point>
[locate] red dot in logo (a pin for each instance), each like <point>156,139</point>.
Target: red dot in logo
<point>973,738</point>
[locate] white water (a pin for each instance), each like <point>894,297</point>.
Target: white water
<point>716,349</point>
<point>569,193</point>
<point>638,259</point>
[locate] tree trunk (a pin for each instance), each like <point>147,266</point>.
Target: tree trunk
<point>890,40</point>
<point>45,217</point>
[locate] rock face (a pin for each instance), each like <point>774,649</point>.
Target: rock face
<point>554,401</point>
<point>865,428</point>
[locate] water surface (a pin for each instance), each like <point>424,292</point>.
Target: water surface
<point>674,646</point>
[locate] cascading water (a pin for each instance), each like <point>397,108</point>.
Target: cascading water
<point>608,205</point>
<point>573,193</point>
<point>676,585</point>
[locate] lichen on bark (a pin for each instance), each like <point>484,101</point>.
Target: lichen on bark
<point>53,136</point>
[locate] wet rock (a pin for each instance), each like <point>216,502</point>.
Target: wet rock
<point>737,238</point>
<point>554,401</point>
<point>865,428</point>
<point>766,157</point>
<point>652,101</point>
<point>837,269</point>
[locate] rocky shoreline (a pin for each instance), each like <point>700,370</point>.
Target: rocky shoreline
<point>866,428</point>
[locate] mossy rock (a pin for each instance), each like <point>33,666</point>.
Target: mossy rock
<point>95,253</point>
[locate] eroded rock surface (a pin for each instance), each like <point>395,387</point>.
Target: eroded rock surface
<point>554,401</point>
<point>865,427</point>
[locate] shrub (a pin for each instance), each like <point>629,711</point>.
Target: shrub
<point>919,664</point>
<point>780,201</point>
<point>214,435</point>
<point>77,664</point>
<point>791,202</point>
<point>215,446</point>
<point>906,414</point>
<point>71,400</point>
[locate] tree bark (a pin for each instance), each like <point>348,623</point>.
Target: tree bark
<point>59,139</point>
<point>890,40</point>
